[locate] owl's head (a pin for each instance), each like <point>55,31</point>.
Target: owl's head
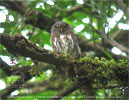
<point>60,28</point>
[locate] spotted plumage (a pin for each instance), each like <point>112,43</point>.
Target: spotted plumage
<point>64,40</point>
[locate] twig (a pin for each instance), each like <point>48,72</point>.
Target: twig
<point>21,21</point>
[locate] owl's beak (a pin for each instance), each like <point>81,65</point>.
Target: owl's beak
<point>61,29</point>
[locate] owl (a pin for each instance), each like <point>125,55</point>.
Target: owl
<point>64,40</point>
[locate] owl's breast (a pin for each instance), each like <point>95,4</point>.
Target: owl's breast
<point>64,44</point>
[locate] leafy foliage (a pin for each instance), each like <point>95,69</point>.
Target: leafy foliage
<point>98,15</point>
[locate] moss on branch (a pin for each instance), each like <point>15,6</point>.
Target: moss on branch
<point>97,72</point>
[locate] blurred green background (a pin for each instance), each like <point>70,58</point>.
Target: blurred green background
<point>33,19</point>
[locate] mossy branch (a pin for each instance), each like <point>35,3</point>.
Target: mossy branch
<point>96,71</point>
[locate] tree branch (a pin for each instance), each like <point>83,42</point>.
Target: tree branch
<point>16,85</point>
<point>66,92</point>
<point>17,5</point>
<point>24,74</point>
<point>42,21</point>
<point>88,46</point>
<point>9,70</point>
<point>111,41</point>
<point>18,45</point>
<point>53,83</point>
<point>122,6</point>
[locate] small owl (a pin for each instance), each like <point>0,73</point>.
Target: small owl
<point>64,40</point>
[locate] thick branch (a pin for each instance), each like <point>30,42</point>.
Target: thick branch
<point>45,23</point>
<point>18,45</point>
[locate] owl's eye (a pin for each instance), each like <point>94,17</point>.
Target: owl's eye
<point>64,26</point>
